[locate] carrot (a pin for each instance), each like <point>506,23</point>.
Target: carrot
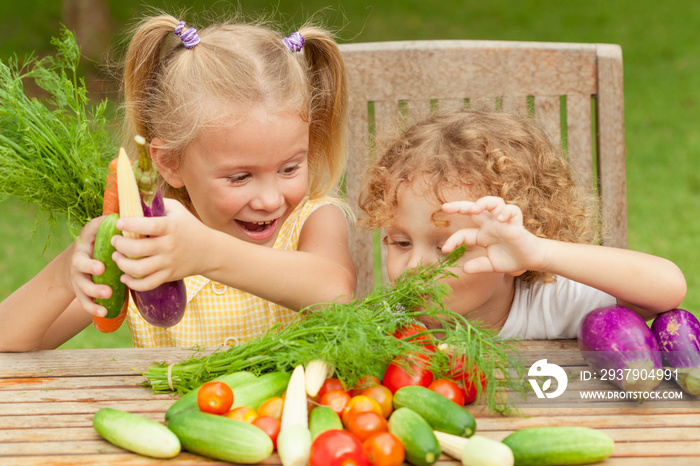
<point>110,205</point>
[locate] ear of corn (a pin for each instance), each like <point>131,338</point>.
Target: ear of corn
<point>317,371</point>
<point>294,440</point>
<point>476,450</point>
<point>129,199</point>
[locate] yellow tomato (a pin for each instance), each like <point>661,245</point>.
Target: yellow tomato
<point>272,407</point>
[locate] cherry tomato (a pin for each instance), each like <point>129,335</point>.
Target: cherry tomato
<point>449,389</point>
<point>384,449</point>
<point>243,414</point>
<point>269,425</point>
<point>396,376</point>
<point>382,396</point>
<point>337,400</point>
<point>360,404</point>
<point>465,377</point>
<point>363,382</point>
<point>272,407</point>
<point>330,385</point>
<point>364,424</point>
<point>214,397</point>
<point>337,448</point>
<point>427,340</point>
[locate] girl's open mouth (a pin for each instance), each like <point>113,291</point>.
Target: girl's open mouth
<point>258,231</point>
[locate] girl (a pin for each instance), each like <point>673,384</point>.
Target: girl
<point>495,183</point>
<point>246,128</point>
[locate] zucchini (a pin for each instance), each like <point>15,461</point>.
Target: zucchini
<point>442,414</point>
<point>136,433</point>
<point>189,399</point>
<point>103,252</point>
<point>416,435</point>
<point>266,386</point>
<point>220,437</point>
<point>545,446</point>
<point>323,418</point>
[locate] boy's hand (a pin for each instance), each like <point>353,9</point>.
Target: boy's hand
<point>83,266</point>
<point>499,229</point>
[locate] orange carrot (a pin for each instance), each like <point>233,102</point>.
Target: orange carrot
<point>110,205</point>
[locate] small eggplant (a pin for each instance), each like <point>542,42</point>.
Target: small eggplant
<point>678,334</point>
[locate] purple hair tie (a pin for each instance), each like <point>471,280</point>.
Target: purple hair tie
<point>189,38</point>
<point>294,42</point>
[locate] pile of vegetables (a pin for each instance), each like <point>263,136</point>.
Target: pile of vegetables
<point>243,419</point>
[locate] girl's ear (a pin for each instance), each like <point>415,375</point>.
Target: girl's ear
<point>168,166</point>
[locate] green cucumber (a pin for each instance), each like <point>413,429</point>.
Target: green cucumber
<point>442,414</point>
<point>266,386</point>
<point>189,399</point>
<point>545,446</point>
<point>136,433</point>
<point>103,252</point>
<point>220,437</point>
<point>416,435</point>
<point>323,418</point>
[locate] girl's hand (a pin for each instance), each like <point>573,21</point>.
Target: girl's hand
<point>83,266</point>
<point>498,228</point>
<point>168,251</point>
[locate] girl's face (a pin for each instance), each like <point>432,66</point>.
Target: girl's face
<point>245,179</point>
<point>413,237</point>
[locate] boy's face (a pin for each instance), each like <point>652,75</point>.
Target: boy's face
<point>414,237</point>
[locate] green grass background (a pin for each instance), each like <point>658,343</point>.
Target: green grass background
<point>661,52</point>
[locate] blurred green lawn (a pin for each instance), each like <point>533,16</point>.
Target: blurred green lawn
<point>662,93</point>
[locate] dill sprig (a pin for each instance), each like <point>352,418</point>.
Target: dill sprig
<point>54,152</point>
<point>356,339</point>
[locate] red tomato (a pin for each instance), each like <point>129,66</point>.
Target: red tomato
<point>363,382</point>
<point>330,385</point>
<point>384,449</point>
<point>382,396</point>
<point>396,376</point>
<point>465,378</point>
<point>427,340</point>
<point>363,424</point>
<point>270,426</point>
<point>272,407</point>
<point>449,389</point>
<point>214,397</point>
<point>243,414</point>
<point>360,404</point>
<point>337,400</point>
<point>337,448</point>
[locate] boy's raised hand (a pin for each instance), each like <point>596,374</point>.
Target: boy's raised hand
<point>498,228</point>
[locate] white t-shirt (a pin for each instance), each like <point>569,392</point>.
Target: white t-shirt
<point>547,311</point>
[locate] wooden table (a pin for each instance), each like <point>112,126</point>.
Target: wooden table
<point>48,398</point>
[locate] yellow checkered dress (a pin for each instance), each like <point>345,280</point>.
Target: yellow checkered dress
<point>216,312</point>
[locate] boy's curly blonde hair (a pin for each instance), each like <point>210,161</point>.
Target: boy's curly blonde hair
<point>490,154</point>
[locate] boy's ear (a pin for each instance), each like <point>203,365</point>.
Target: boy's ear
<point>168,166</point>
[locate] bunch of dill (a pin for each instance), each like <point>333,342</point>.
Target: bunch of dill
<point>356,339</point>
<point>54,152</point>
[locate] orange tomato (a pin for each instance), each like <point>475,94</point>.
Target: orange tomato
<point>363,424</point>
<point>272,407</point>
<point>384,449</point>
<point>360,404</point>
<point>382,396</point>
<point>337,400</point>
<point>330,385</point>
<point>364,382</point>
<point>243,414</point>
<point>214,397</point>
<point>270,426</point>
<point>449,389</point>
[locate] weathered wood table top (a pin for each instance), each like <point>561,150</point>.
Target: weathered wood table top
<point>48,399</point>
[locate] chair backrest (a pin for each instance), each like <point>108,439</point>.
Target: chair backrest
<point>575,90</point>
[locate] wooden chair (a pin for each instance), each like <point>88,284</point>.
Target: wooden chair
<point>574,89</point>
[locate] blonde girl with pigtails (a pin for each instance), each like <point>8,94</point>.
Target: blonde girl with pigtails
<point>246,127</point>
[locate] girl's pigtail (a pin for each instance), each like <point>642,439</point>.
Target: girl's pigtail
<point>328,108</point>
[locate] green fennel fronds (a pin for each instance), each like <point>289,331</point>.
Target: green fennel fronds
<point>54,153</point>
<point>356,339</point>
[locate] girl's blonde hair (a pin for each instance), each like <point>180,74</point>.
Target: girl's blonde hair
<point>490,154</point>
<point>173,92</point>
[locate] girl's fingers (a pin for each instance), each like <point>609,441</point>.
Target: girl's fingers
<point>458,207</point>
<point>467,236</point>
<point>480,264</point>
<point>144,226</point>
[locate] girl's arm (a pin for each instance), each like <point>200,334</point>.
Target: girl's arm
<point>648,284</point>
<point>321,270</point>
<point>44,312</point>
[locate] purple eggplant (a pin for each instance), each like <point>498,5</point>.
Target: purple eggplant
<point>615,338</point>
<point>678,334</point>
<point>165,305</point>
